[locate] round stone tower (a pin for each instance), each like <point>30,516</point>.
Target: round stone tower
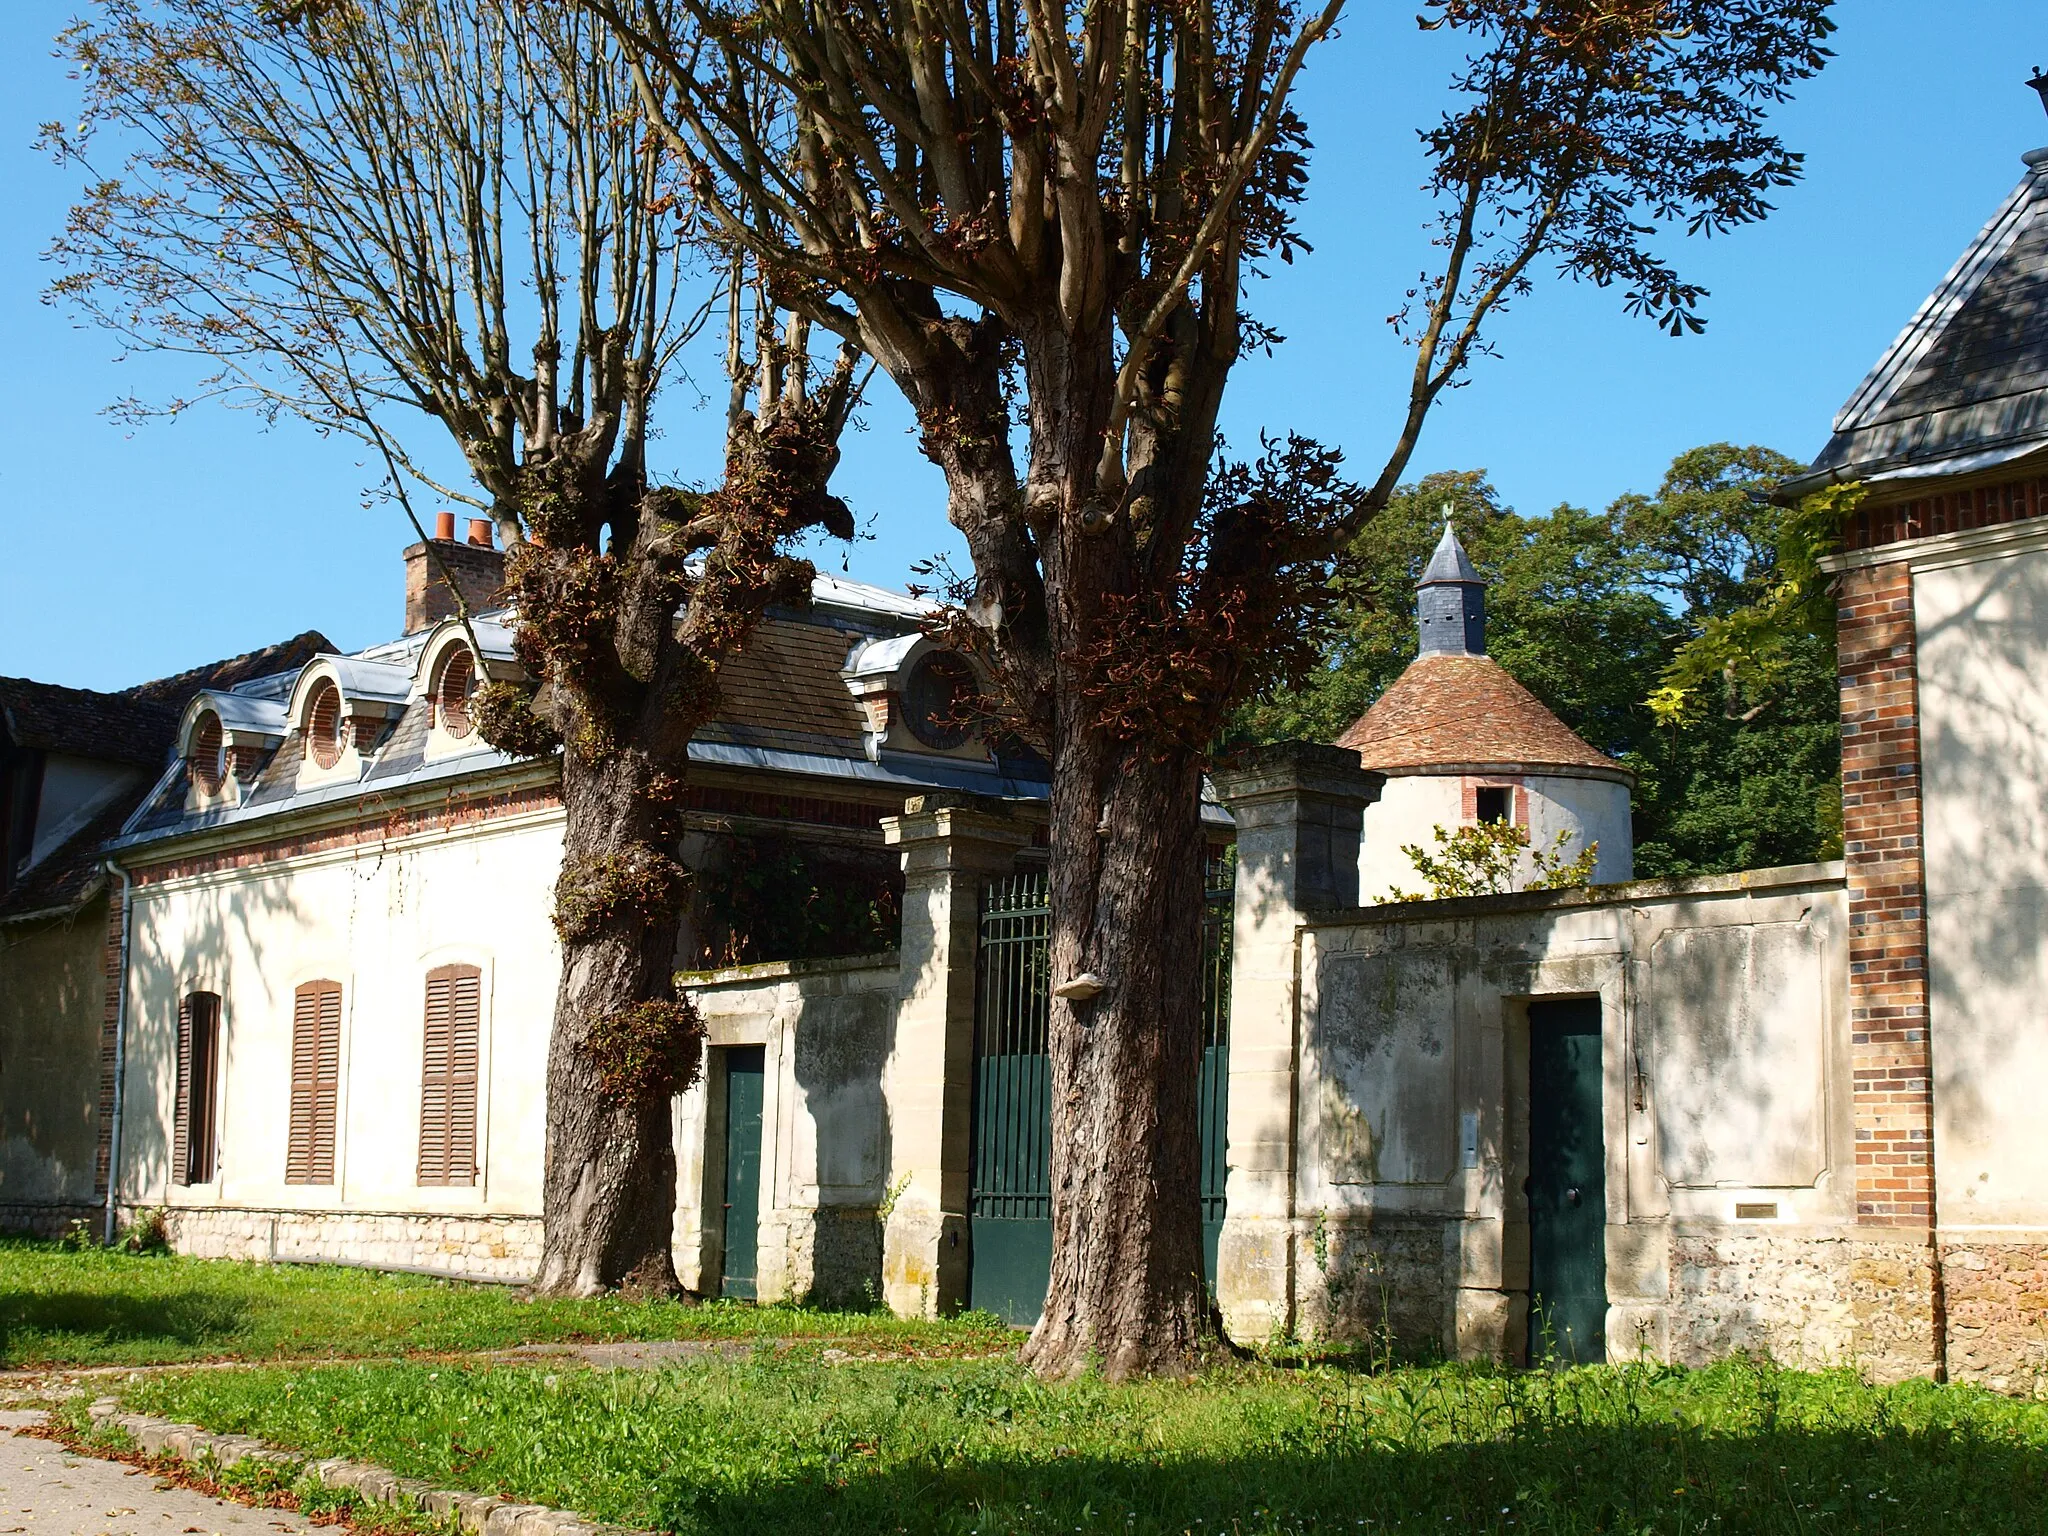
<point>1461,742</point>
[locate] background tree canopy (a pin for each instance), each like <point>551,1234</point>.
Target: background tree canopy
<point>1587,610</point>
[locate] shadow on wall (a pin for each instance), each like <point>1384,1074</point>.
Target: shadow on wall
<point>217,937</point>
<point>840,1042</point>
<point>53,989</point>
<point>1982,644</point>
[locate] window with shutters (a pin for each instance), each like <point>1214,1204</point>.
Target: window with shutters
<point>316,1083</point>
<point>448,1075</point>
<point>192,1117</point>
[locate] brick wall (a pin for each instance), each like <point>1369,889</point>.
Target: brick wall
<point>110,1017</point>
<point>1894,1104</point>
<point>477,570</point>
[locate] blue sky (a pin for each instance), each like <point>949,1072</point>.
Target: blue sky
<point>134,553</point>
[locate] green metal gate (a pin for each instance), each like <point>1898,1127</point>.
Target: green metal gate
<point>1010,1200</point>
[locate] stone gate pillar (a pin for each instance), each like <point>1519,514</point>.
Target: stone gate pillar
<point>949,844</point>
<point>1299,809</point>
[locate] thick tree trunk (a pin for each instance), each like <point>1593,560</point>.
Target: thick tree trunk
<point>1127,856</point>
<point>610,1182</point>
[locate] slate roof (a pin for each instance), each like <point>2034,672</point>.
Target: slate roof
<point>1449,565</point>
<point>1965,385</point>
<point>783,707</point>
<point>1466,711</point>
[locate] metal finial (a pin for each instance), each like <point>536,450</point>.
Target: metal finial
<point>2040,84</point>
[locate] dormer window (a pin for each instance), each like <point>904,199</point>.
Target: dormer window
<point>323,725</point>
<point>938,700</point>
<point>452,690</point>
<point>209,754</point>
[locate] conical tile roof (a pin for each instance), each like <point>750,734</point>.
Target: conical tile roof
<point>1449,711</point>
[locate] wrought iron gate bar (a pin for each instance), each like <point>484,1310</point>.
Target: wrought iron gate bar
<point>1012,1173</point>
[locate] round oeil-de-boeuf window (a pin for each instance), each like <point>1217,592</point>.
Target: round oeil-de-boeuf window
<point>938,700</point>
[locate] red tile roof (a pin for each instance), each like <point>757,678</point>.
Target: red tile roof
<point>1447,710</point>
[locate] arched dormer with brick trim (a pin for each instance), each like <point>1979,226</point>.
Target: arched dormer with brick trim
<point>225,739</point>
<point>446,679</point>
<point>340,709</point>
<point>916,696</point>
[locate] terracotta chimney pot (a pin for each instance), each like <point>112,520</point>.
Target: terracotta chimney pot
<point>444,527</point>
<point>480,531</point>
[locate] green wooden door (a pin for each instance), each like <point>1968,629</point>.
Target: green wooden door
<point>743,1076</point>
<point>1567,1185</point>
<point>1009,1227</point>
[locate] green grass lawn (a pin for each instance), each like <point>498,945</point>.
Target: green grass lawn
<point>789,1442</point>
<point>102,1308</point>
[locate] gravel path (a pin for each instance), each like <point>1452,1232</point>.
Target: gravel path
<point>46,1490</point>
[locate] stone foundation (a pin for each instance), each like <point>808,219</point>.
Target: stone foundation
<point>829,1257</point>
<point>1841,1297</point>
<point>1997,1305</point>
<point>1379,1279</point>
<point>461,1246</point>
<point>37,1218</point>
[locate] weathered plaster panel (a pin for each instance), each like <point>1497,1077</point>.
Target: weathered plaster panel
<point>1737,1021</point>
<point>1385,1033</point>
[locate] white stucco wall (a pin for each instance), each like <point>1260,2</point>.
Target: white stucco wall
<point>376,919</point>
<point>1413,805</point>
<point>1980,609</point>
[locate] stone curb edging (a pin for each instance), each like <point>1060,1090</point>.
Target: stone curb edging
<point>480,1514</point>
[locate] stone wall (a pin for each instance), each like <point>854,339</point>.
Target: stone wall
<point>1810,1297</point>
<point>462,1246</point>
<point>825,1028</point>
<point>1996,1300</point>
<point>1380,1122</point>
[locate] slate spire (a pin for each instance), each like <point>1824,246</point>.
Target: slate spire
<point>1450,602</point>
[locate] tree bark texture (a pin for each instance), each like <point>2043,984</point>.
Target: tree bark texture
<point>609,1189</point>
<point>1126,1290</point>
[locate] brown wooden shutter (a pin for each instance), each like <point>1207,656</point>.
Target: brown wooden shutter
<point>181,1109</point>
<point>316,1083</point>
<point>448,1075</point>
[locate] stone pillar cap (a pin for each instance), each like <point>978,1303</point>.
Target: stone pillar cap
<point>1295,767</point>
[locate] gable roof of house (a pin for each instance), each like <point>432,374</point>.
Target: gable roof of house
<point>1456,711</point>
<point>1965,386</point>
<point>136,728</point>
<point>114,727</point>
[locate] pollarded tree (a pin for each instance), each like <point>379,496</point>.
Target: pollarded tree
<point>1055,207</point>
<point>383,215</point>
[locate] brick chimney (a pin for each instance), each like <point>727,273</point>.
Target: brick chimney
<point>477,568</point>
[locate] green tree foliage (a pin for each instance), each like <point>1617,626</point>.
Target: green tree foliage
<point>1592,612</point>
<point>1493,858</point>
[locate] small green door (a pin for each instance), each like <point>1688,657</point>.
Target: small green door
<point>743,1069</point>
<point>1567,1185</point>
